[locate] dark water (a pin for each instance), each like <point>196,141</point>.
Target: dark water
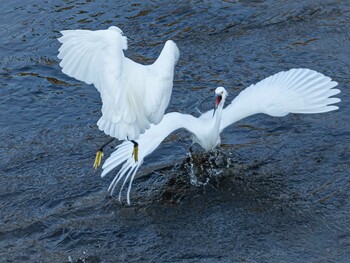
<point>279,187</point>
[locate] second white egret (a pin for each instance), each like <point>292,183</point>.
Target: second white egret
<point>293,91</point>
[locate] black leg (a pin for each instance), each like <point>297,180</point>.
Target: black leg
<point>99,154</point>
<point>190,152</point>
<point>104,145</point>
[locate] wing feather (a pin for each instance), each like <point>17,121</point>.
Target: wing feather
<point>133,95</point>
<point>148,142</point>
<point>292,91</point>
<point>93,52</point>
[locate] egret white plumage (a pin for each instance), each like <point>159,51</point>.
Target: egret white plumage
<point>293,91</point>
<point>133,95</point>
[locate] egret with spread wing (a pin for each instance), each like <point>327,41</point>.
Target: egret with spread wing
<point>133,95</point>
<point>293,91</point>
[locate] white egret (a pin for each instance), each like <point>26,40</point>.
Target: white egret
<point>133,95</point>
<point>293,91</point>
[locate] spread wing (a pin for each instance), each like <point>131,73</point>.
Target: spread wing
<point>292,91</point>
<point>126,87</point>
<point>147,143</point>
<point>91,56</point>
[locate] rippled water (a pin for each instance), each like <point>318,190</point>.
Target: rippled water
<point>278,188</point>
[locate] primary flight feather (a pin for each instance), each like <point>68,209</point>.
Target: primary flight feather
<point>133,95</point>
<point>293,91</point>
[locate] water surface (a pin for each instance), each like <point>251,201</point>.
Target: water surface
<point>278,188</point>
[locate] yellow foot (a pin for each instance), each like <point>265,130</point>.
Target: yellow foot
<point>135,152</point>
<point>98,159</point>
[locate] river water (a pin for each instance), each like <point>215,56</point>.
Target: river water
<point>278,188</point>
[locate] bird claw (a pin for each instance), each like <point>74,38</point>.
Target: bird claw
<point>98,159</point>
<point>99,154</point>
<point>135,153</point>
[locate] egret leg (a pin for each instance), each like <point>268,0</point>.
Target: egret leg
<point>99,154</point>
<point>135,151</point>
<point>190,153</point>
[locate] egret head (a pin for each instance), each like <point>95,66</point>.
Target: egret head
<point>116,29</point>
<point>221,94</point>
<point>124,39</point>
